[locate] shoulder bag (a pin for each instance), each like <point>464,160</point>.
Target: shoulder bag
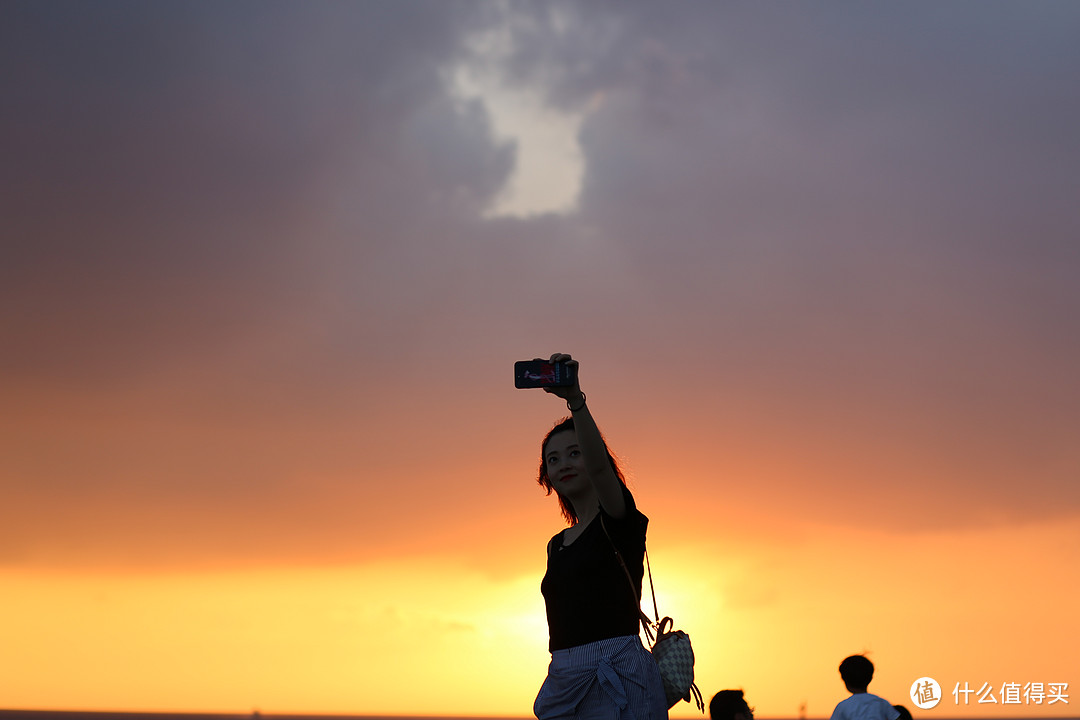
<point>670,648</point>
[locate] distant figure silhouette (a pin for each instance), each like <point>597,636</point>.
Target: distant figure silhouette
<point>857,671</point>
<point>730,705</point>
<point>599,668</point>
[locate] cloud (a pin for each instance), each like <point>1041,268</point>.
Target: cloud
<point>860,214</point>
<point>252,283</point>
<point>190,158</point>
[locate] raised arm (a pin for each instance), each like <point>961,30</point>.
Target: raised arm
<point>593,451</point>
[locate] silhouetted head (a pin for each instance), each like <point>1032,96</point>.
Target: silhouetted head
<point>730,705</point>
<point>857,672</point>
<point>544,480</point>
<point>905,714</point>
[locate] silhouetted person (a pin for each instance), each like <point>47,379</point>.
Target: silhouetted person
<point>599,668</point>
<point>730,705</point>
<point>857,671</point>
<point>905,714</point>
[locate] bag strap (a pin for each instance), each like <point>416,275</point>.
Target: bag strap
<point>652,588</point>
<point>646,622</point>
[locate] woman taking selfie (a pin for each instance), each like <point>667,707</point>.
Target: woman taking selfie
<point>599,668</point>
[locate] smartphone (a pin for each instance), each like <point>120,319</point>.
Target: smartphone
<point>541,373</point>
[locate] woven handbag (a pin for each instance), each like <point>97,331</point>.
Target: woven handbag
<point>671,648</point>
<point>675,658</point>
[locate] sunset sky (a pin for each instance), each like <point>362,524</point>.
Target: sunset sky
<point>265,268</point>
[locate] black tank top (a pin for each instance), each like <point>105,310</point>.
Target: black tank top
<point>586,592</point>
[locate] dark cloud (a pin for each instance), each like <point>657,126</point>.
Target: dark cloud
<point>846,230</point>
<point>195,158</point>
<point>868,208</point>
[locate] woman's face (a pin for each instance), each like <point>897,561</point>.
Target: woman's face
<point>565,466</point>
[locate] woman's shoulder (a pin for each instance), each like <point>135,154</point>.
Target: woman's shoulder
<point>555,542</point>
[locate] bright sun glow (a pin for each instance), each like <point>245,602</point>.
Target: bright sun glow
<point>332,641</point>
<point>426,636</point>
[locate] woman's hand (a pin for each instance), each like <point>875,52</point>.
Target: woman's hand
<point>566,392</point>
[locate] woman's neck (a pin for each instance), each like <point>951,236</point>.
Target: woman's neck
<point>586,516</point>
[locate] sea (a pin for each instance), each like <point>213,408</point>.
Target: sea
<point>105,715</point>
<point>8,714</point>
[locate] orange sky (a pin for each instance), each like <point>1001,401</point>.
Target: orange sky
<point>773,598</point>
<point>772,616</point>
<point>266,268</point>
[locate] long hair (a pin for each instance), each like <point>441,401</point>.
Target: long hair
<point>545,482</point>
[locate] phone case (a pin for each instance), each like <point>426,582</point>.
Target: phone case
<point>541,373</point>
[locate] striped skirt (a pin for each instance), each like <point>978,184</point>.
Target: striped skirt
<point>613,679</point>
